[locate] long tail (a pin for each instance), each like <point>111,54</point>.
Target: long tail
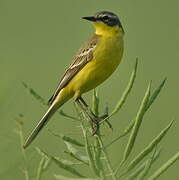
<point>52,109</point>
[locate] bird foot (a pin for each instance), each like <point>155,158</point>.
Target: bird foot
<point>95,123</point>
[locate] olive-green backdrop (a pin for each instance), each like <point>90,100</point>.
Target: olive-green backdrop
<point>38,38</point>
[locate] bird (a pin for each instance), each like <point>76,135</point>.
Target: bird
<point>95,61</point>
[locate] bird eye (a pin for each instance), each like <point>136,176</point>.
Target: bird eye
<point>105,18</point>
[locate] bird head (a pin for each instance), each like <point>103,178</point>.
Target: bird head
<point>105,22</point>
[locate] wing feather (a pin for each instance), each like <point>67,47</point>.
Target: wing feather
<point>84,55</point>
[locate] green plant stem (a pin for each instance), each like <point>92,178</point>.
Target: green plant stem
<point>61,112</point>
<point>137,124</point>
<point>125,132</point>
<point>126,91</point>
<point>26,174</point>
<point>89,152</point>
<point>40,168</point>
<point>108,163</point>
<point>19,131</point>
<point>164,167</point>
<point>95,103</point>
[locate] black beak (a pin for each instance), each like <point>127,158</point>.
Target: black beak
<point>89,18</point>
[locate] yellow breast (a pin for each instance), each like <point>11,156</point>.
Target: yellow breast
<point>106,57</point>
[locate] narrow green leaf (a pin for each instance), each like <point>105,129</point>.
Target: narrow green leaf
<point>78,158</point>
<point>42,100</point>
<point>64,166</point>
<point>40,168</point>
<point>138,121</point>
<point>106,158</point>
<point>148,148</point>
<point>133,175</point>
<point>61,112</point>
<point>71,140</point>
<point>155,94</point>
<point>97,153</point>
<point>35,94</point>
<point>40,152</point>
<point>95,103</point>
<point>126,91</point>
<point>46,164</point>
<point>67,139</point>
<point>89,153</point>
<point>45,159</point>
<point>60,177</point>
<point>98,160</point>
<point>19,131</point>
<point>64,161</point>
<point>164,167</point>
<point>131,124</point>
<point>78,112</point>
<point>69,163</point>
<point>125,132</point>
<point>76,153</point>
<point>147,167</point>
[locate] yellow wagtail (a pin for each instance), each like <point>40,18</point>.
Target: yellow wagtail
<point>95,62</point>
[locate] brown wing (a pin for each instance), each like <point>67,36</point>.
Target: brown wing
<point>84,55</point>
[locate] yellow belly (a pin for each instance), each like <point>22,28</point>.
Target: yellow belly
<point>106,58</point>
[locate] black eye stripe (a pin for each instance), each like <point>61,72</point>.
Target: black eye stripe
<point>105,17</point>
<point>102,18</point>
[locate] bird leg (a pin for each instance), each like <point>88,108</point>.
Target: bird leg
<point>94,119</point>
<point>98,118</point>
<point>83,102</point>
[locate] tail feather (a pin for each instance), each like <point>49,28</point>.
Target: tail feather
<point>52,109</point>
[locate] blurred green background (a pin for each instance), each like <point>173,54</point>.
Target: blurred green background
<point>38,38</point>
